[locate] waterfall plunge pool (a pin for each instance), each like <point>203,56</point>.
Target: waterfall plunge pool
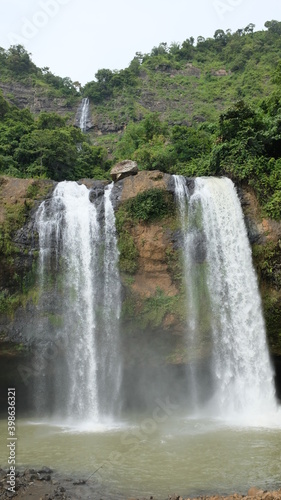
<point>143,457</point>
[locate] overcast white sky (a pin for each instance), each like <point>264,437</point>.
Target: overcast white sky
<point>75,38</point>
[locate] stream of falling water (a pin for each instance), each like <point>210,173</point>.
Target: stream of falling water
<point>224,311</point>
<point>84,114</point>
<point>79,275</point>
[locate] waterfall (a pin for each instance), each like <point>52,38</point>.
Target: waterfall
<point>81,292</point>
<point>84,114</point>
<point>225,325</point>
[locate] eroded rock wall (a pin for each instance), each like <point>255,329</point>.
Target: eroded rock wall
<point>265,237</point>
<point>36,100</point>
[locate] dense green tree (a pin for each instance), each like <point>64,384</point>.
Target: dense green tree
<point>273,27</point>
<point>240,119</point>
<point>4,106</point>
<point>189,143</point>
<point>50,121</point>
<point>160,50</point>
<point>91,162</point>
<point>155,155</point>
<point>49,152</point>
<point>19,62</point>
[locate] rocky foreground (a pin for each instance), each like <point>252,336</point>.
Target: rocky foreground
<point>44,484</point>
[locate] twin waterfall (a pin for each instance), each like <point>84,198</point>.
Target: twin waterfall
<point>80,284</point>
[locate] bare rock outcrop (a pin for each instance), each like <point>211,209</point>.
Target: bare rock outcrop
<point>124,169</point>
<point>35,99</point>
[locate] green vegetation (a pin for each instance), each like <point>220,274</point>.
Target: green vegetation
<point>16,65</point>
<point>156,307</point>
<point>150,312</point>
<point>150,205</point>
<point>10,302</point>
<point>128,258</point>
<point>267,260</point>
<point>15,216</point>
<point>189,83</point>
<point>128,253</point>
<point>18,273</point>
<point>46,147</point>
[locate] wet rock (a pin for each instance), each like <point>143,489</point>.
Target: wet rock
<point>124,169</point>
<point>44,477</point>
<point>116,194</point>
<point>171,184</point>
<point>45,470</point>
<point>199,250</point>
<point>253,231</point>
<point>61,489</point>
<point>97,190</point>
<point>80,481</point>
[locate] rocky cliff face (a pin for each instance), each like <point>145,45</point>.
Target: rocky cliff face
<point>265,237</point>
<point>36,99</point>
<point>19,199</point>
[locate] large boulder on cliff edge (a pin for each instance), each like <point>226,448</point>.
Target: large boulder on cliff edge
<point>124,169</point>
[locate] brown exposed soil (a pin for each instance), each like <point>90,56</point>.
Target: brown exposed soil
<point>152,243</point>
<point>143,181</point>
<point>12,191</point>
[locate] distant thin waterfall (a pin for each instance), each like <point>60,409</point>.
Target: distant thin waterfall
<point>224,312</point>
<point>78,253</point>
<point>84,114</point>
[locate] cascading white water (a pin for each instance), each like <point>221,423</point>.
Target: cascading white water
<point>110,374</point>
<point>193,312</point>
<point>78,252</point>
<point>84,114</point>
<point>215,240</point>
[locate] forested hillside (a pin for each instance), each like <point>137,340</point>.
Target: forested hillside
<point>205,107</point>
